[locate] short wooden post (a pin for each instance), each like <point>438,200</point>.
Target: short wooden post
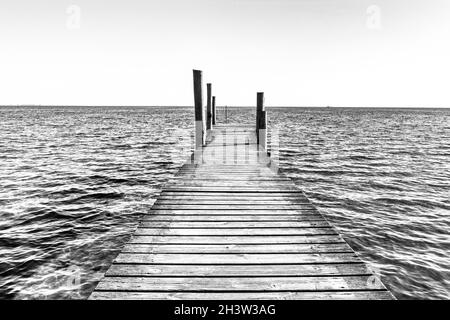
<point>214,110</point>
<point>208,107</point>
<point>226,114</point>
<point>200,132</point>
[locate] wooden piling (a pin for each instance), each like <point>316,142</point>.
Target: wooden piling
<point>261,121</point>
<point>214,110</point>
<point>208,107</point>
<point>200,132</point>
<point>259,108</point>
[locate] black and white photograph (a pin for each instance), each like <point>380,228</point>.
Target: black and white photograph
<point>251,151</point>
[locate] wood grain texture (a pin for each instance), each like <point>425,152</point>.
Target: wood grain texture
<point>238,212</point>
<point>233,225</point>
<point>247,258</point>
<point>220,232</point>
<point>267,239</point>
<point>185,216</point>
<point>239,207</point>
<point>247,270</point>
<point>262,295</point>
<point>237,248</point>
<point>310,283</point>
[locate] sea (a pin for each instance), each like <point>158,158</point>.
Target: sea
<point>74,182</point>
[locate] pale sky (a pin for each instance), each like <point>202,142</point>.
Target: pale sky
<point>348,53</point>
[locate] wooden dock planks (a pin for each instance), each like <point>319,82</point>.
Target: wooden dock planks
<point>228,227</point>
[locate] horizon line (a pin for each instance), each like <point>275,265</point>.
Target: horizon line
<point>218,106</point>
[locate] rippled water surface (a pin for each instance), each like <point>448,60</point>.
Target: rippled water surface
<point>74,182</point>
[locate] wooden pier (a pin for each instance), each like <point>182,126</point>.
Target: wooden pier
<point>228,226</point>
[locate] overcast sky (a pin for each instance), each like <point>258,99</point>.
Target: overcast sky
<point>355,53</point>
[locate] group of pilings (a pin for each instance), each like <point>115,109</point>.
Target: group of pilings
<point>205,118</point>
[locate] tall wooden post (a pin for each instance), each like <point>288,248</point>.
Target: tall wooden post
<point>208,107</point>
<point>259,109</point>
<point>200,132</point>
<point>214,110</point>
<point>261,122</point>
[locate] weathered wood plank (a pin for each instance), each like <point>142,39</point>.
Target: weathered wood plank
<point>232,169</point>
<point>206,178</point>
<point>242,212</point>
<point>261,189</point>
<point>234,206</point>
<point>221,197</point>
<point>238,284</point>
<point>230,218</point>
<point>263,295</point>
<point>234,225</point>
<point>231,184</point>
<point>247,270</point>
<point>218,147</point>
<point>229,202</point>
<point>315,238</point>
<point>247,258</point>
<point>230,232</point>
<point>230,248</point>
<point>245,195</point>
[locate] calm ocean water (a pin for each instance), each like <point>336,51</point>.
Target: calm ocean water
<point>74,182</point>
